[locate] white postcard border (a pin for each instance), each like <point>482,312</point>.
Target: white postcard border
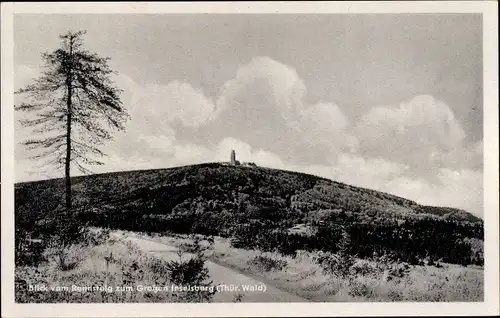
<point>490,306</point>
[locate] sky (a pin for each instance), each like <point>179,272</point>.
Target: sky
<point>383,101</point>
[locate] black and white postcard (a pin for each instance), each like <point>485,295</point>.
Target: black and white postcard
<point>250,159</point>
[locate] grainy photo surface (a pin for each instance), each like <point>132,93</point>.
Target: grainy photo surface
<point>248,158</point>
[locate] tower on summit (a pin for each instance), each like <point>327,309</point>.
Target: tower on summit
<point>233,157</point>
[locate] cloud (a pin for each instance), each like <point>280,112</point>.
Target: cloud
<point>175,101</point>
<point>324,125</point>
<point>286,87</point>
<point>411,132</point>
<point>149,140</point>
<point>373,173</point>
<point>367,172</point>
<point>461,189</point>
<point>264,104</point>
<point>455,188</point>
<point>461,157</point>
<point>159,105</point>
<point>190,153</point>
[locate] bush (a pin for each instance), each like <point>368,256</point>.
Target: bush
<point>366,269</point>
<point>359,289</point>
<point>196,247</point>
<point>187,272</point>
<point>398,271</point>
<point>128,266</point>
<point>290,243</point>
<point>69,252</point>
<point>95,237</point>
<point>67,257</point>
<point>266,263</point>
<point>392,269</point>
<point>245,235</point>
<point>29,253</point>
<point>338,265</point>
<point>191,272</point>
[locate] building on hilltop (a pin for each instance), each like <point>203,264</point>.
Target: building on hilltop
<point>233,158</point>
<point>234,162</point>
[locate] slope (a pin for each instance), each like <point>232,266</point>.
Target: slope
<point>257,206</point>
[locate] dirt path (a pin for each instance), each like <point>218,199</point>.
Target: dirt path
<point>222,276</point>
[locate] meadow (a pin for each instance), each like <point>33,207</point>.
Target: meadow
<point>373,280</point>
<point>108,269</point>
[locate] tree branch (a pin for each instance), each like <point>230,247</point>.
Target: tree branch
<point>48,142</point>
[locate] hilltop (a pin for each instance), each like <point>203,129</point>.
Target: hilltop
<point>226,200</point>
<point>263,186</point>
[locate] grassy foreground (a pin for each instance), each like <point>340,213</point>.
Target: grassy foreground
<point>110,271</point>
<point>306,275</point>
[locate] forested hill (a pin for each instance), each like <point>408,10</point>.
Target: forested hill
<point>224,187</point>
<point>259,206</point>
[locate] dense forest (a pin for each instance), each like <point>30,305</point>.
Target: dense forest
<point>258,208</point>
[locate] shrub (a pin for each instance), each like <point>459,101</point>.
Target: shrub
<point>69,252</point>
<point>127,267</point>
<point>289,243</point>
<point>359,289</point>
<point>196,247</point>
<point>338,265</point>
<point>365,269</point>
<point>67,257</point>
<point>186,272</point>
<point>29,253</point>
<point>392,269</point>
<point>266,263</point>
<point>158,266</point>
<point>95,237</point>
<point>191,272</point>
<point>398,271</point>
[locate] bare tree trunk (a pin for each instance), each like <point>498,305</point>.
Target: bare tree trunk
<point>68,155</point>
<point>68,135</point>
